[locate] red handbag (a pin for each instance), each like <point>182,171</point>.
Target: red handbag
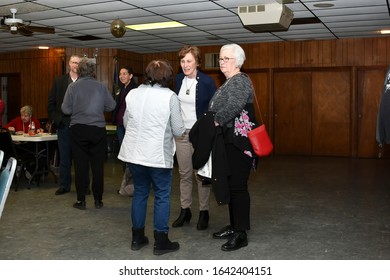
<point>259,138</point>
<point>261,143</point>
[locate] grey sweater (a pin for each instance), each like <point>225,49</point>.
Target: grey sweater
<point>231,98</point>
<point>86,100</point>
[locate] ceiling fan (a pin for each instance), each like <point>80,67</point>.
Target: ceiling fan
<point>15,25</point>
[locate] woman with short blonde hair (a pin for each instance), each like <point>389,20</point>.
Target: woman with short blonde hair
<point>22,123</point>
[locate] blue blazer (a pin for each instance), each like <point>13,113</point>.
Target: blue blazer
<point>205,89</point>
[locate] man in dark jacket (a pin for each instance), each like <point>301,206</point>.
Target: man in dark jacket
<point>62,122</point>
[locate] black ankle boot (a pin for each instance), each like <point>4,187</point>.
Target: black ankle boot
<point>162,244</point>
<point>203,221</point>
<point>139,239</point>
<point>185,216</point>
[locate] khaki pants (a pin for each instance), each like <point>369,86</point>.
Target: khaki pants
<point>184,152</point>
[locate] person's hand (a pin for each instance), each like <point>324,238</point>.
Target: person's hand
<point>39,130</point>
<point>11,128</point>
<point>216,124</point>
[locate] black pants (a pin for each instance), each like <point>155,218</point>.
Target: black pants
<point>89,145</point>
<point>239,206</point>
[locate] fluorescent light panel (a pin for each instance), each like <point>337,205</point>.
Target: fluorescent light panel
<point>385,31</point>
<point>155,25</point>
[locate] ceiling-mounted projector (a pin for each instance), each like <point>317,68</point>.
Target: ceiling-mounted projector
<point>265,17</point>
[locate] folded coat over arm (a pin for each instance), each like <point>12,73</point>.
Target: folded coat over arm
<point>206,138</point>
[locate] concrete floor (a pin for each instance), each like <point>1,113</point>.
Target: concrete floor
<point>303,208</point>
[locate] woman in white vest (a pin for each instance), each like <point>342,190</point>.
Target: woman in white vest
<point>152,119</point>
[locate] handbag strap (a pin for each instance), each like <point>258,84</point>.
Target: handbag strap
<point>257,103</point>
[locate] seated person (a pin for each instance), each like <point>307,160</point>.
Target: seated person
<point>21,124</point>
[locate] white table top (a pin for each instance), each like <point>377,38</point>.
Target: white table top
<point>110,127</point>
<point>41,137</point>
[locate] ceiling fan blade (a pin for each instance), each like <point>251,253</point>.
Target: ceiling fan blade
<point>41,29</point>
<point>4,27</point>
<point>24,30</point>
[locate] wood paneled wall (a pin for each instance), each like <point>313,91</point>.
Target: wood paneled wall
<point>322,53</point>
<point>106,59</point>
<point>38,68</point>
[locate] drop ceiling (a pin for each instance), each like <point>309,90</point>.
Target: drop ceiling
<point>209,22</point>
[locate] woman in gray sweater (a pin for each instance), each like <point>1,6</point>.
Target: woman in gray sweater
<point>233,107</point>
<point>85,101</point>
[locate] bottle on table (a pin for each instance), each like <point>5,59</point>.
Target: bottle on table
<point>31,129</point>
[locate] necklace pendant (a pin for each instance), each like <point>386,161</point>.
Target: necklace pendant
<point>188,91</point>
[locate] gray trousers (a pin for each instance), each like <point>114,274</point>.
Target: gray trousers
<point>184,151</point>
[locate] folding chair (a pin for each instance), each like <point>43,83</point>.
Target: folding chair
<point>6,177</point>
<point>1,158</point>
<point>8,147</point>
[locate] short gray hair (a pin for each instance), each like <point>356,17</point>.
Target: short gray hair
<point>87,68</point>
<point>239,53</point>
<point>26,110</point>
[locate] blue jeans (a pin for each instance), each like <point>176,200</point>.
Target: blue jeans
<point>160,179</point>
<point>65,150</point>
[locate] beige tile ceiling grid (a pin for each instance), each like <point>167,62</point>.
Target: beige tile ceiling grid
<point>209,22</point>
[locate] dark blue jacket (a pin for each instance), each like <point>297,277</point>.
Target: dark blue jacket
<point>205,89</point>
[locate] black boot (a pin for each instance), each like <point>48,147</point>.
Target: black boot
<point>203,221</point>
<point>162,244</point>
<point>185,216</point>
<point>139,239</point>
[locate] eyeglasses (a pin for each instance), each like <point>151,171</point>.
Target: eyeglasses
<point>224,59</point>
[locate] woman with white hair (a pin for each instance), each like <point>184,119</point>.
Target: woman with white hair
<point>234,113</point>
<point>85,101</point>
<point>22,123</point>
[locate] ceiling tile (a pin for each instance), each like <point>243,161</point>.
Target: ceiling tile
<point>213,22</point>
